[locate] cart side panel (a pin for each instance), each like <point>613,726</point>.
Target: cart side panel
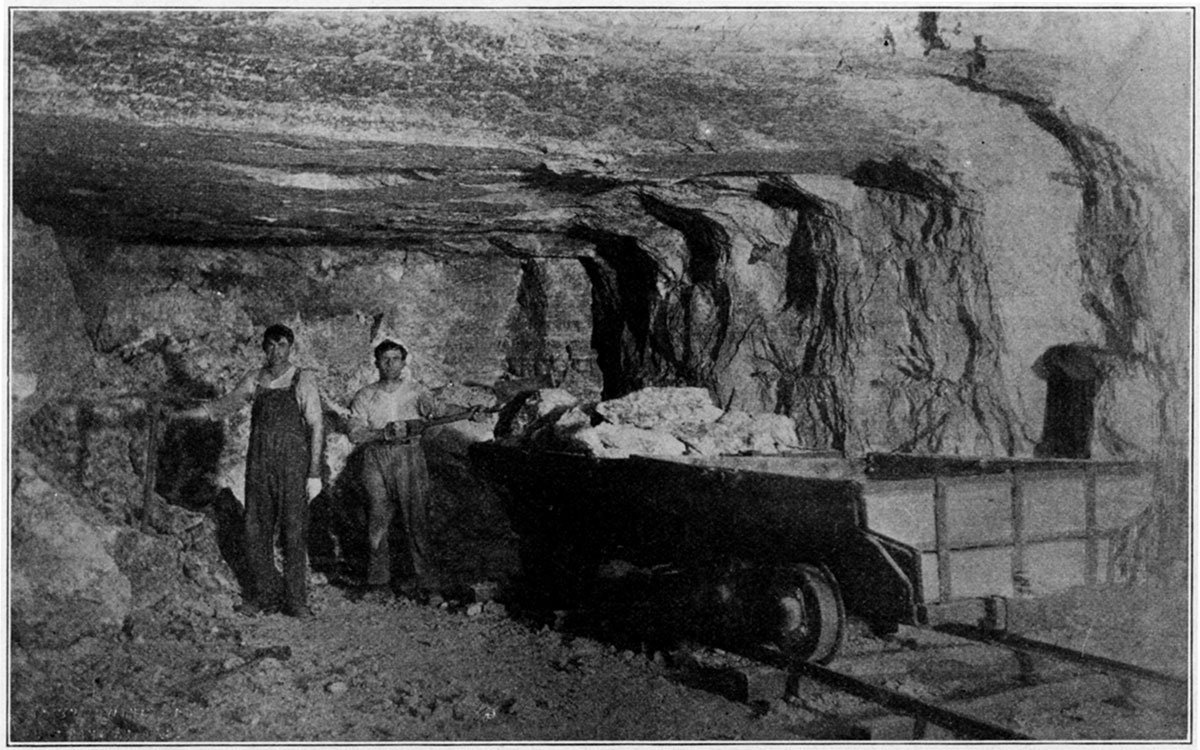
<point>902,509</point>
<point>981,572</point>
<point>1054,502</point>
<point>978,510</point>
<point>650,511</point>
<point>1051,567</point>
<point>1029,529</point>
<point>753,515</point>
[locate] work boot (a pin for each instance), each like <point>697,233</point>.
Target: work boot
<point>376,593</point>
<point>409,590</point>
<point>300,613</point>
<point>252,608</point>
<point>433,597</point>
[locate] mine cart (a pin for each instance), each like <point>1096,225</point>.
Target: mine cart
<point>781,548</point>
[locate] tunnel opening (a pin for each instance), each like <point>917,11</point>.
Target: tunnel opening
<point>624,295</point>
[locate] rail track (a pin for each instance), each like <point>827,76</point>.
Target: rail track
<point>948,681</point>
<point>959,683</point>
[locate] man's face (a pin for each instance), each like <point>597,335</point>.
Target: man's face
<point>278,352</point>
<point>390,364</point>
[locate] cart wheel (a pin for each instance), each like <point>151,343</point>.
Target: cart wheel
<point>812,622</point>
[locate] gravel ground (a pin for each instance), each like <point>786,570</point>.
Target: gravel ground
<point>366,672</point>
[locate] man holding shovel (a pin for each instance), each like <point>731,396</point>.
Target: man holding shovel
<point>387,418</point>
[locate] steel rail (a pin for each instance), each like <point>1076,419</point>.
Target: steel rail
<point>1030,646</point>
<point>960,724</point>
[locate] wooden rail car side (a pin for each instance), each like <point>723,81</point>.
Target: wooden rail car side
<point>989,531</point>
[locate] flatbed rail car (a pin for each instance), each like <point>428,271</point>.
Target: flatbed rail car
<point>795,543</point>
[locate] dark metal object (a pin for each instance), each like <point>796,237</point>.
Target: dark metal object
<point>812,615</point>
<point>1030,646</point>
<point>575,511</point>
<point>417,427</point>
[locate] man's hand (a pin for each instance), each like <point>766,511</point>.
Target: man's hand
<point>413,427</point>
<point>313,487</point>
<point>198,412</point>
<point>393,431</point>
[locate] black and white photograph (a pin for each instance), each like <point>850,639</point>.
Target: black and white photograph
<point>693,374</point>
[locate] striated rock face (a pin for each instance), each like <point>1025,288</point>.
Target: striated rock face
<point>50,352</point>
<point>862,307</point>
<point>881,258</point>
<point>841,237</point>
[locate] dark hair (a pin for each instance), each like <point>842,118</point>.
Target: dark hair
<point>278,332</point>
<point>388,345</point>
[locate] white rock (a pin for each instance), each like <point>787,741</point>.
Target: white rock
<point>651,408</point>
<point>620,441</point>
<point>65,584</point>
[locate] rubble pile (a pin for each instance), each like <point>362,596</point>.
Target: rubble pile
<point>92,555</point>
<point>652,421</point>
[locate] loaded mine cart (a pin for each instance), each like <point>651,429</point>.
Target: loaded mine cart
<point>780,549</point>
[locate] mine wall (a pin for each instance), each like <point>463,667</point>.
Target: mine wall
<point>864,307</point>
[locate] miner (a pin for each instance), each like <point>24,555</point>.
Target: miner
<point>387,418</point>
<point>283,472</point>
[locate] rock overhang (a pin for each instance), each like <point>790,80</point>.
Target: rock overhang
<point>327,128</point>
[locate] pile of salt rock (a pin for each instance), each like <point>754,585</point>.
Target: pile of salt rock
<point>652,421</point>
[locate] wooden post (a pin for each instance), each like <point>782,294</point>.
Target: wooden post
<point>1017,498</point>
<point>1091,546</point>
<point>150,466</point>
<point>941,533</point>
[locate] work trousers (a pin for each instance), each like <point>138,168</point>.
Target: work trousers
<point>277,501</point>
<point>396,482</point>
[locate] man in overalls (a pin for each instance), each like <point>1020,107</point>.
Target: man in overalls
<point>387,418</point>
<point>283,472</point>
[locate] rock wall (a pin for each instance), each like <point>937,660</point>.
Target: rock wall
<point>50,352</point>
<point>818,214</point>
<point>893,309</point>
<point>85,570</point>
<point>817,219</point>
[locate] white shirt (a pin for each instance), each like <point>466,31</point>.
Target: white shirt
<point>374,406</point>
<point>308,398</point>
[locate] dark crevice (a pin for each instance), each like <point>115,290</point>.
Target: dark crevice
<point>898,176</point>
<point>576,183</point>
<point>528,358</point>
<point>974,339</point>
<point>624,305</point>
